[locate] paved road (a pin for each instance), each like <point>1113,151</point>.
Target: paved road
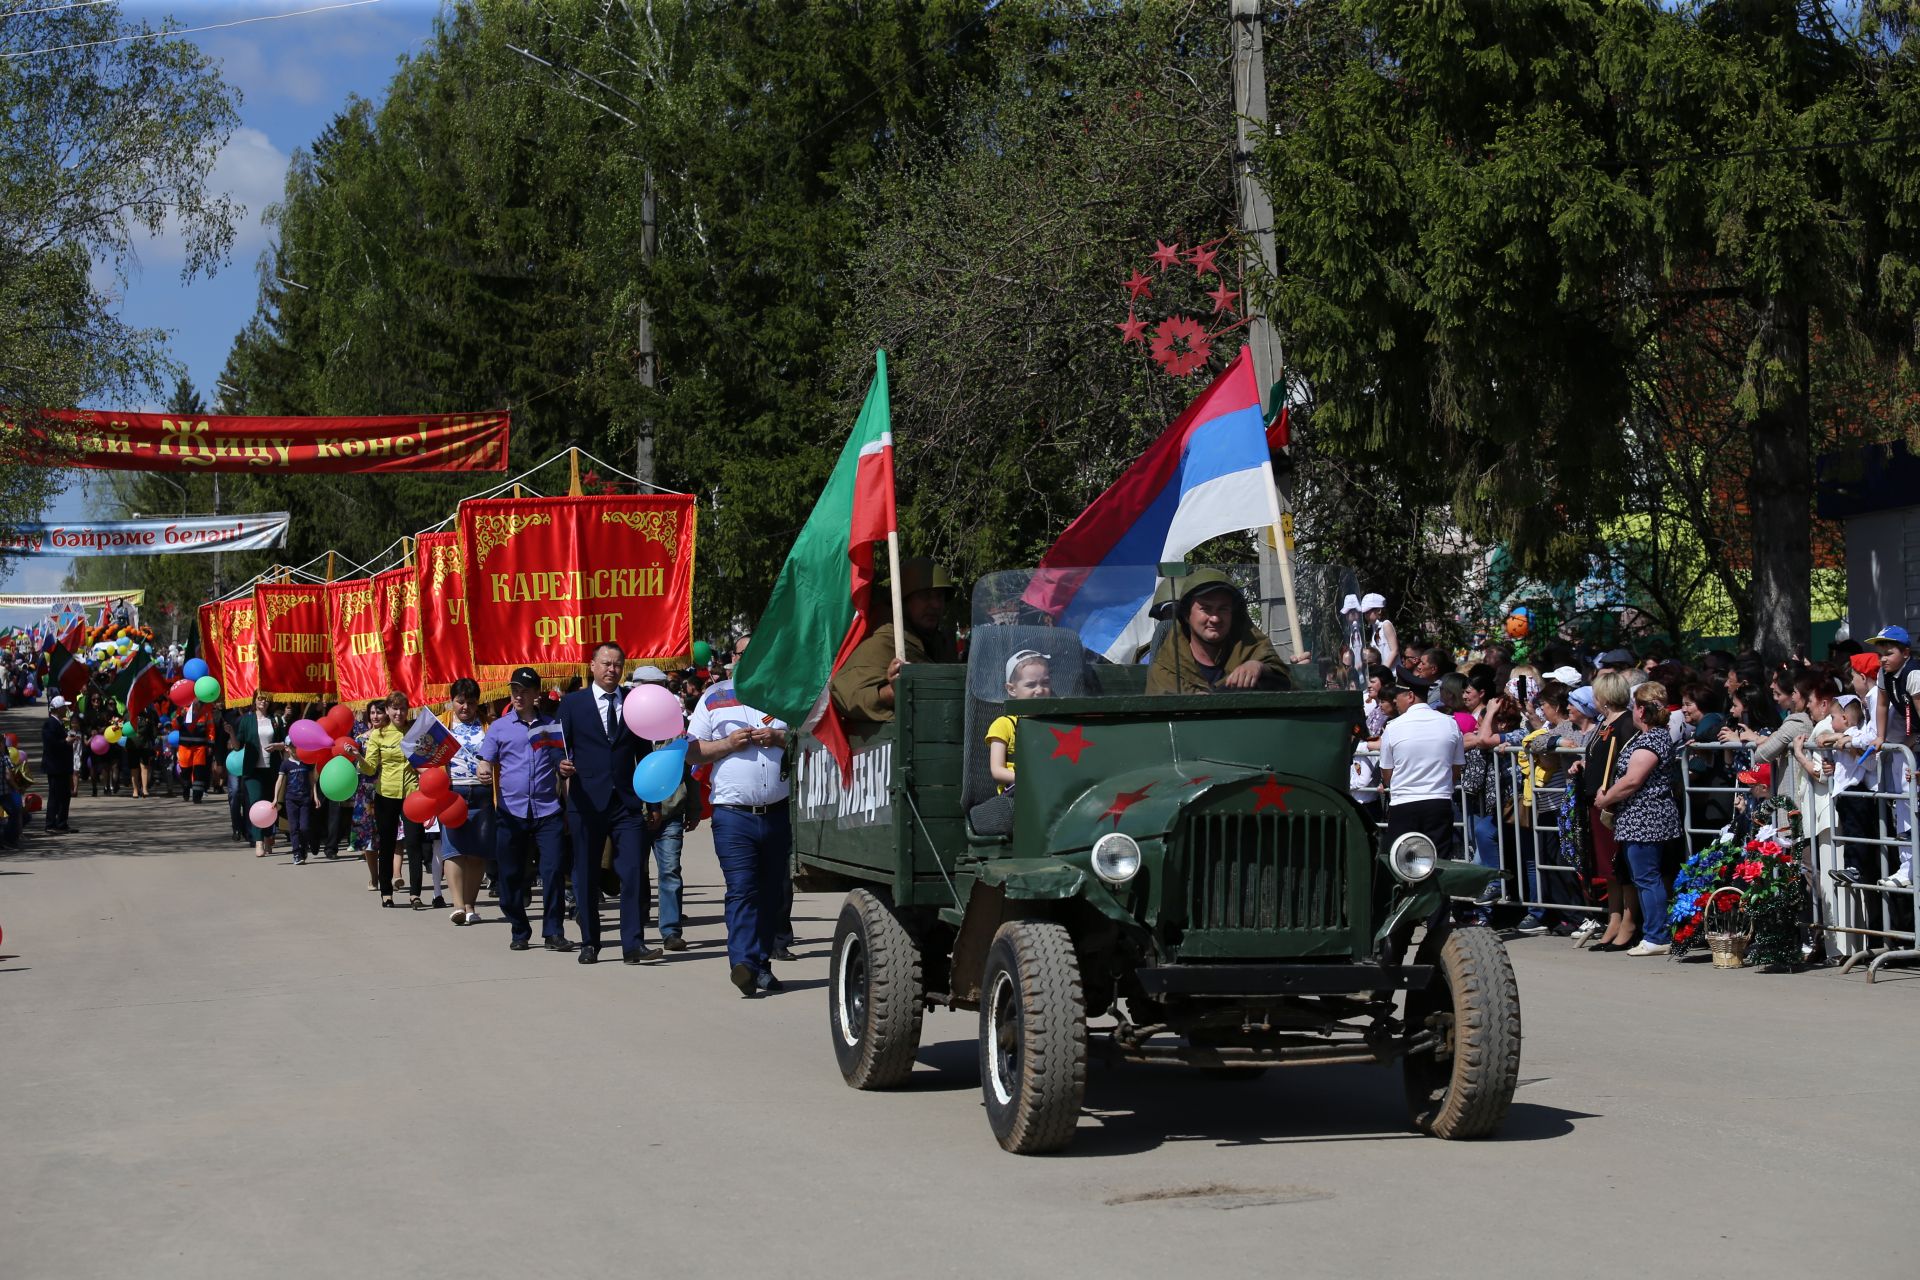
<point>214,1066</point>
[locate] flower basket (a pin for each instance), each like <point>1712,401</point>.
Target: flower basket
<point>1729,929</point>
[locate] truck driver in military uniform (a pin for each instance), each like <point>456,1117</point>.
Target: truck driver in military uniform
<point>1214,644</point>
<point>863,688</point>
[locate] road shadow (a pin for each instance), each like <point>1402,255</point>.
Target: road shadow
<point>1140,1108</point>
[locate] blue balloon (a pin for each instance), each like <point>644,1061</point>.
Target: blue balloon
<point>658,775</point>
<point>236,762</point>
<point>194,669</point>
<point>173,738</point>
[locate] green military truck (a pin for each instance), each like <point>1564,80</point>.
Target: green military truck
<point>1191,866</point>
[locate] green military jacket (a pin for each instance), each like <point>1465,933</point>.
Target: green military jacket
<point>1175,671</point>
<point>857,686</point>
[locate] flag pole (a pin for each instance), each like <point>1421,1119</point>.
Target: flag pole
<point>893,542</point>
<point>1285,556</point>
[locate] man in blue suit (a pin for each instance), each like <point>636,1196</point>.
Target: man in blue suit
<point>602,806</point>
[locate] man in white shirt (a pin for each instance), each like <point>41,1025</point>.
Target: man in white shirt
<point>1421,756</point>
<point>751,836</point>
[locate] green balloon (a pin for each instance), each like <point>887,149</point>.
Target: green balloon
<point>207,689</point>
<point>702,653</point>
<point>339,779</point>
<point>236,762</point>
<point>127,728</point>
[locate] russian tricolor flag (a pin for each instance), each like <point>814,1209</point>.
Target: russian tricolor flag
<point>1206,475</point>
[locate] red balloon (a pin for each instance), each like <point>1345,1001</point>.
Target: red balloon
<point>339,721</point>
<point>181,693</point>
<point>435,782</point>
<point>13,739</point>
<point>317,756</point>
<point>33,802</point>
<point>455,814</point>
<point>344,746</point>
<point>418,807</point>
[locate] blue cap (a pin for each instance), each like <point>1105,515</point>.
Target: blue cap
<point>1583,699</point>
<point>1893,635</point>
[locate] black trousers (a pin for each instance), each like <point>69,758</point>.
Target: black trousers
<point>332,823</point>
<point>387,816</point>
<point>1431,818</point>
<point>59,799</point>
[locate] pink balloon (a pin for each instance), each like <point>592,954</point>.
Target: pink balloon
<point>308,735</point>
<point>263,815</point>
<point>653,713</point>
<point>99,744</point>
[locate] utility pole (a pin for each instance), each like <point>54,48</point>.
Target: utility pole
<point>649,240</point>
<point>1259,261</point>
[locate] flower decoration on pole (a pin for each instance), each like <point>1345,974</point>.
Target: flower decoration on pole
<point>1182,342</point>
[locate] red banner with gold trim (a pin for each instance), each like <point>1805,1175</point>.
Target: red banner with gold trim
<point>359,649</point>
<point>396,598</point>
<point>281,446</point>
<point>549,579</point>
<point>446,650</point>
<point>296,644</point>
<point>239,650</point>
<point>209,647</point>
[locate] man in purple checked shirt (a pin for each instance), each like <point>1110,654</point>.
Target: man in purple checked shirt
<point>523,750</point>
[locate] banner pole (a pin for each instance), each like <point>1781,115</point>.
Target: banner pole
<point>1284,555</point>
<point>329,566</point>
<point>573,474</point>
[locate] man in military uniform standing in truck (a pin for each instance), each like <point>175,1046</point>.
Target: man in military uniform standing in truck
<point>863,688</point>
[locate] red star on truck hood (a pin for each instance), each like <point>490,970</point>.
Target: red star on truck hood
<point>1068,742</point>
<point>1270,795</point>
<point>1125,801</point>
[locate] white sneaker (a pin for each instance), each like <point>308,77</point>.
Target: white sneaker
<point>1645,948</point>
<point>473,917</point>
<point>1587,929</point>
<point>1900,879</point>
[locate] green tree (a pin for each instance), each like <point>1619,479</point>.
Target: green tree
<point>1490,216</point>
<point>108,140</point>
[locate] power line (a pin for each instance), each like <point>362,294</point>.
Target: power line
<point>187,31</point>
<point>56,8</point>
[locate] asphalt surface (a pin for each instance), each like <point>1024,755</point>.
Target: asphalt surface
<point>213,1065</point>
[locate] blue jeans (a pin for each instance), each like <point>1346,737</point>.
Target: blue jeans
<point>1486,846</point>
<point>16,818</point>
<point>666,859</point>
<point>1644,861</point>
<point>752,849</point>
<point>514,839</point>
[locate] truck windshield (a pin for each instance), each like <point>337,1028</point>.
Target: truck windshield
<point>1083,625</point>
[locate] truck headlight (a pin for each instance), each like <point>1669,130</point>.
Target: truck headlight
<point>1412,857</point>
<point>1116,857</point>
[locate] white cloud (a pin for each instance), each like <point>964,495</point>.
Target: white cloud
<point>253,172</point>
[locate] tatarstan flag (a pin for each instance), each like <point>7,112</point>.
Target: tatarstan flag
<point>139,683</point>
<point>818,613</point>
<point>69,674</point>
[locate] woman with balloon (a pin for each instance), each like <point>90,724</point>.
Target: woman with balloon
<point>383,759</point>
<point>259,740</point>
<point>469,845</point>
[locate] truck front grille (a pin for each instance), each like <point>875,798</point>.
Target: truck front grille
<point>1265,871</point>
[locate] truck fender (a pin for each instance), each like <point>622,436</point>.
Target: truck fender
<point>1010,890</point>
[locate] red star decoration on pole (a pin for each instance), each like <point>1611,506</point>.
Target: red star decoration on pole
<point>1270,794</point>
<point>1125,801</point>
<point>1139,286</point>
<point>1201,259</point>
<point>1133,329</point>
<point>1069,743</point>
<point>1167,255</point>
<point>1224,298</point>
<point>1181,345</point>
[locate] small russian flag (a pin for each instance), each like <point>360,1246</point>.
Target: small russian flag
<point>546,737</point>
<point>428,743</point>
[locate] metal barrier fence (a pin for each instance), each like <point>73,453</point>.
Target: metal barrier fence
<point>1864,833</point>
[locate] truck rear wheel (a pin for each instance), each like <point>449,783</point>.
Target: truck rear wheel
<point>874,994</point>
<point>1033,1037</point>
<point>1463,1086</point>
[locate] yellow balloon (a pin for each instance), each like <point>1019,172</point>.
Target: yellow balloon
<point>113,733</point>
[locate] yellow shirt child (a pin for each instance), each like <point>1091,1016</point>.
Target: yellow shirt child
<point>1028,676</point>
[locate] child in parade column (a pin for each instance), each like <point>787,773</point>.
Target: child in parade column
<point>293,796</point>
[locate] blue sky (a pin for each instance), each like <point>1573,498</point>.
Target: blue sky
<point>293,75</point>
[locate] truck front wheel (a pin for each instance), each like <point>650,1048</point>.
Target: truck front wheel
<point>875,997</point>
<point>1462,1086</point>
<point>1033,1037</point>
